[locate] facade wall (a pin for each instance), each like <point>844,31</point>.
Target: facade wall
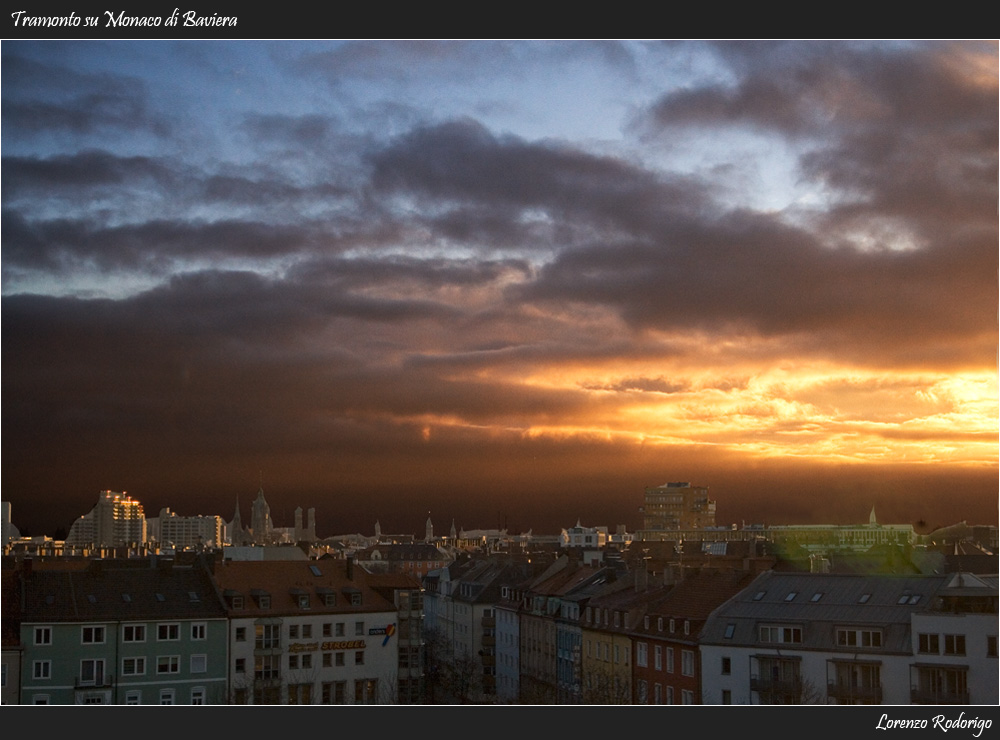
<point>179,661</point>
<point>314,659</point>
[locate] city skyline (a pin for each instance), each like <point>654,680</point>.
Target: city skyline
<point>500,281</point>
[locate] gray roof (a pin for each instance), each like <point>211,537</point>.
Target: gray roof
<point>819,603</point>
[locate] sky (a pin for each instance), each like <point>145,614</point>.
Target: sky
<point>508,283</point>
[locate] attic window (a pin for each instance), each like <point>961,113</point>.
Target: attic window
<point>193,597</point>
<point>730,631</point>
<point>237,601</point>
<point>864,598</point>
<point>816,597</point>
<point>91,598</point>
<point>263,599</point>
<point>914,599</point>
<point>314,569</point>
<point>759,595</point>
<point>903,599</point>
<point>161,597</point>
<point>127,598</point>
<point>791,596</point>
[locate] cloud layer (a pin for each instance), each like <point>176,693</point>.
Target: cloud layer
<point>522,278</point>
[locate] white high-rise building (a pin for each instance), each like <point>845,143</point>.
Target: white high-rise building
<point>116,519</point>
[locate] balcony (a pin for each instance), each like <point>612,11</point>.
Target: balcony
<point>489,641</point>
<point>844,692</point>
<point>489,622</point>
<point>767,685</point>
<point>940,696</point>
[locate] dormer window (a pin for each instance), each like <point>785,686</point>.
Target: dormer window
<point>263,599</point>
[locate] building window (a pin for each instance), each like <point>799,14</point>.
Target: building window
<point>659,624</point>
<point>340,629</point>
<point>365,691</point>
<point>687,662</point>
<point>43,635</point>
<point>954,644</point>
<point>198,695</point>
<point>340,659</point>
<point>41,669</point>
<point>307,660</point>
<point>241,634</point>
<point>134,633</point>
<point>264,601</point>
<point>687,627</point>
<point>672,625</point>
<point>687,697</point>
<point>166,697</point>
<point>92,672</point>
<point>617,653</point>
<point>133,698</point>
<point>237,602</point>
<point>727,696</point>
<point>327,629</point>
<point>199,663</point>
<point>359,657</point>
<point>307,631</point>
<point>333,692</point>
<point>268,636</point>
<point>293,662</point>
<point>198,630</point>
<point>359,629</point>
<point>92,635</point>
<point>133,666</point>
<point>241,665</point>
<point>859,638</point>
<point>928,644</point>
<point>293,632</point>
<point>657,694</point>
<point>267,667</point>
<point>658,657</point>
<point>772,633</point>
<point>642,692</point>
<point>168,664</point>
<point>641,654</point>
<point>40,699</point>
<point>300,693</point>
<point>727,665</point>
<point>168,632</point>
<point>303,600</point>
<point>670,661</point>
<point>670,694</point>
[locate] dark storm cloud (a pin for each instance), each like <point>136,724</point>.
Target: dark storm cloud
<point>40,97</point>
<point>902,131</point>
<point>157,246</point>
<point>462,162</point>
<point>26,176</point>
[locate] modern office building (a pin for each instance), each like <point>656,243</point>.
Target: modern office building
<point>116,519</point>
<point>677,506</point>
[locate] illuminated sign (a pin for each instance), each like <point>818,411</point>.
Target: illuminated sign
<point>301,647</point>
<point>387,631</point>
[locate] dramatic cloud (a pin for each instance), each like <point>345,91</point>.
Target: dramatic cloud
<point>506,281</point>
